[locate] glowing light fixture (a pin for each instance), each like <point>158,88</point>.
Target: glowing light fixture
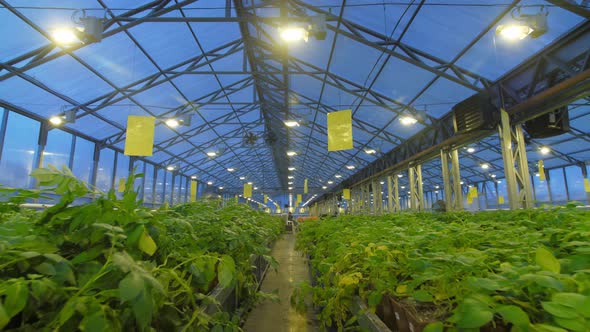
<point>290,177</point>
<point>513,31</point>
<point>242,178</point>
<point>194,177</point>
<point>220,188</point>
<point>211,153</point>
<point>290,188</point>
<point>290,182</point>
<point>403,187</point>
<point>172,123</point>
<point>537,174</point>
<point>231,169</point>
<point>330,182</point>
<point>292,168</point>
<point>493,175</point>
<point>170,167</point>
<point>209,183</point>
<point>470,149</point>
<point>249,182</point>
<point>291,123</point>
<point>400,175</point>
<point>485,166</point>
<point>338,176</point>
<point>351,167</point>
<point>293,34</point>
<point>407,120</point>
<point>291,153</point>
<point>56,120</point>
<point>64,36</point>
<point>255,188</point>
<point>370,151</point>
<point>545,150</point>
<point>523,25</point>
<point>324,187</point>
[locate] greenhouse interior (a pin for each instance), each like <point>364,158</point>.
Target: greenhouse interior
<point>295,165</point>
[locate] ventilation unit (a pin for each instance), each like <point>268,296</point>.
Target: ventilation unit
<point>554,123</point>
<point>475,113</point>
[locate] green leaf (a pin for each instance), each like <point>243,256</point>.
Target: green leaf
<point>547,261</point>
<point>17,295</point>
<point>577,325</point>
<point>544,281</point>
<point>45,268</point>
<point>147,244</point>
<point>4,319</point>
<point>95,322</point>
<point>578,301</point>
<point>547,328</point>
<point>87,255</point>
<point>484,283</point>
<point>226,270</point>
<point>217,328</point>
<point>143,308</point>
<point>130,286</point>
<point>29,254</point>
<point>434,327</point>
<point>422,296</point>
<point>515,315</point>
<point>559,310</point>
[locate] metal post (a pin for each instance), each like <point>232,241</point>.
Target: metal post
<point>154,184</point>
<point>567,189</point>
<point>95,160</point>
<point>416,191</point>
<point>172,189</point>
<point>3,127</point>
<point>516,170</point>
<point>420,193</point>
<point>114,172</point>
<point>451,180</point>
<point>72,151</point>
<point>548,187</point>
<point>390,207</point>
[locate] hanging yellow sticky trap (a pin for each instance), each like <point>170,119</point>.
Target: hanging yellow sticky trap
<point>139,139</point>
<point>346,193</point>
<point>299,198</point>
<point>265,198</point>
<point>541,170</point>
<point>193,191</point>
<point>305,186</point>
<point>237,198</point>
<point>469,198</point>
<point>500,199</point>
<point>121,185</point>
<point>247,190</point>
<point>587,185</point>
<point>340,130</point>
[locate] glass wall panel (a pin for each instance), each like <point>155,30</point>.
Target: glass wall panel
<point>138,185</point>
<point>168,184</point>
<point>575,183</point>
<point>502,194</point>
<point>176,190</point>
<point>541,190</point>
<point>104,174</point>
<point>557,183</point>
<point>160,186</point>
<point>148,194</point>
<point>57,149</point>
<point>83,155</point>
<point>20,144</point>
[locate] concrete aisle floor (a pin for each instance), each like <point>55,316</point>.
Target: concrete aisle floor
<point>271,316</point>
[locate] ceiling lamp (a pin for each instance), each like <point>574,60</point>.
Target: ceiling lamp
<point>324,187</point>
<point>179,120</point>
<point>211,153</point>
<point>485,166</point>
<point>291,153</point>
<point>350,167</point>
<point>220,188</point>
<point>292,168</point>
<point>330,182</point>
<point>209,183</point>
<point>63,117</point>
<point>231,169</point>
<point>250,183</point>
<point>291,123</point>
<point>316,28</point>
<point>290,182</point>
<point>545,150</point>
<point>407,120</point>
<point>338,176</point>
<point>241,177</point>
<point>470,149</point>
<point>290,177</point>
<point>255,188</point>
<point>170,167</point>
<point>493,175</point>
<point>290,188</point>
<point>194,177</point>
<point>523,25</point>
<point>87,29</point>
<point>370,151</point>
<point>400,175</point>
<point>293,34</point>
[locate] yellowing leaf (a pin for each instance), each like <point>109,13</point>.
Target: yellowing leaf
<point>147,244</point>
<point>547,261</point>
<point>401,289</point>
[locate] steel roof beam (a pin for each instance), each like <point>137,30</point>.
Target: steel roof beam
<point>572,6</point>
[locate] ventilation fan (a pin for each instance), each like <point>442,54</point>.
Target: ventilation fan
<point>250,139</point>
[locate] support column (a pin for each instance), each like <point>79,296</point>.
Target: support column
<point>95,160</point>
<point>451,180</point>
<point>516,170</point>
<point>416,191</point>
<point>393,194</point>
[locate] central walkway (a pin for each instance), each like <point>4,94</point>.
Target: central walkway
<point>271,316</point>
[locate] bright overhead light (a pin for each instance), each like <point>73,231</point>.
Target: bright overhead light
<point>293,33</point>
<point>545,149</point>
<point>407,120</point>
<point>194,177</point>
<point>485,166</point>
<point>172,123</point>
<point>212,153</point>
<point>470,149</point>
<point>255,188</point>
<point>461,182</point>
<point>292,168</point>
<point>56,120</point>
<point>400,175</point>
<point>330,182</point>
<point>242,178</point>
<point>351,167</point>
<point>338,176</point>
<point>170,167</point>
<point>370,151</point>
<point>537,174</point>
<point>436,187</point>
<point>324,187</point>
<point>64,36</point>
<point>249,182</point>
<point>220,188</point>
<point>382,182</point>
<point>513,31</point>
<point>499,181</point>
<point>210,183</point>
<point>290,177</point>
<point>291,123</point>
<point>493,175</point>
<point>290,182</point>
<point>403,187</point>
<point>436,191</point>
<point>290,188</point>
<point>231,169</point>
<point>291,153</point>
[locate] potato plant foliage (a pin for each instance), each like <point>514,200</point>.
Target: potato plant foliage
<point>528,269</point>
<point>113,265</point>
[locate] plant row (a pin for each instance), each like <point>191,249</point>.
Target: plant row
<point>112,265</point>
<point>525,270</point>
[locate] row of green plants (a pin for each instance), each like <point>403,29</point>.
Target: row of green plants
<point>526,270</point>
<point>113,265</point>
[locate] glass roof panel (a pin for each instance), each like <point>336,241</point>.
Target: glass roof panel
<point>163,95</point>
<point>12,47</point>
<point>212,35</point>
<point>441,96</point>
<point>401,81</point>
<point>348,51</point>
<point>196,86</point>
<point>24,94</point>
<point>94,127</point>
<point>380,17</point>
<point>118,59</point>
